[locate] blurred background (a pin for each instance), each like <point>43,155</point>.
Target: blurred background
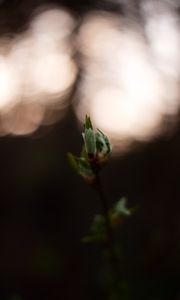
<point>118,61</point>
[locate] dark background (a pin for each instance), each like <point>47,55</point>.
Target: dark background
<point>45,209</point>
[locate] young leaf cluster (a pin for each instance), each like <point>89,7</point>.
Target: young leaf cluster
<point>95,152</point>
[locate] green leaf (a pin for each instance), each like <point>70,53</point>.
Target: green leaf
<point>73,161</point>
<point>102,143</point>
<point>98,224</point>
<point>121,208</point>
<point>88,123</point>
<point>84,167</point>
<point>84,153</point>
<point>97,230</point>
<point>90,141</point>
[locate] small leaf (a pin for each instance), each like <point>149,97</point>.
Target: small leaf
<point>73,161</point>
<point>84,167</point>
<point>90,141</point>
<point>103,146</point>
<point>98,224</point>
<point>97,230</point>
<point>85,170</point>
<point>121,207</point>
<point>88,123</point>
<point>84,153</point>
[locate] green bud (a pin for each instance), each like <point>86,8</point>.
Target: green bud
<point>90,141</point>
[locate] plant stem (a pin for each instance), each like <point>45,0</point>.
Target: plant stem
<point>108,224</point>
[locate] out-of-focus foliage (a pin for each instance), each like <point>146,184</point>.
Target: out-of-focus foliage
<point>117,214</point>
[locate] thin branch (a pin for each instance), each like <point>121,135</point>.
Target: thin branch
<point>111,244</point>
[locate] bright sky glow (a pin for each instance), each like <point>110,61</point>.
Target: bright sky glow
<point>126,82</point>
<point>36,71</point>
<point>130,78</point>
